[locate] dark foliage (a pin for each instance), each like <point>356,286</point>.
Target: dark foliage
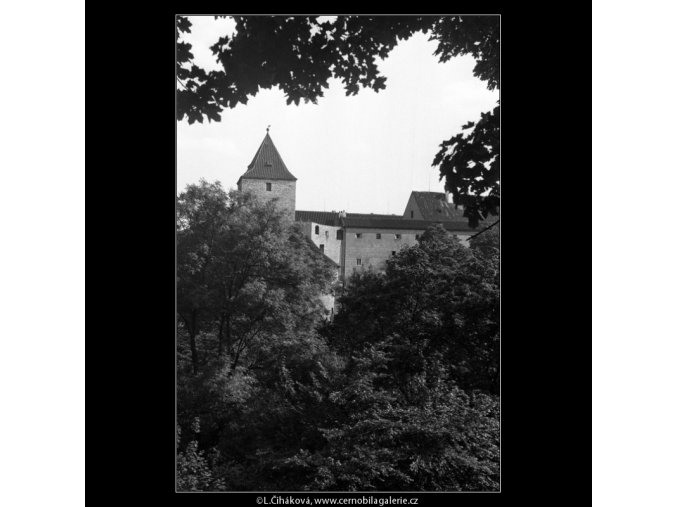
<point>438,301</point>
<point>398,393</point>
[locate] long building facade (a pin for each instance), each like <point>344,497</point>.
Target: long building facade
<point>355,242</point>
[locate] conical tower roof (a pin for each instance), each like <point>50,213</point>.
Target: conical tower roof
<point>267,164</point>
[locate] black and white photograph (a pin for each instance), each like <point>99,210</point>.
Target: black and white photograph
<point>264,258</point>
<point>338,253</point>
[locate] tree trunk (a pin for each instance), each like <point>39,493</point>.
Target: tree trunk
<point>233,364</point>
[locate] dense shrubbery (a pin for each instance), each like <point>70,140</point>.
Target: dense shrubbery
<point>398,393</point>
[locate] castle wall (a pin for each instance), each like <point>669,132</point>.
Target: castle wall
<point>326,236</point>
<point>283,190</point>
<point>345,252</point>
<point>373,252</point>
<point>332,248</point>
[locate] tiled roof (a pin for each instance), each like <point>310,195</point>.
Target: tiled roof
<point>404,223</point>
<point>373,215</point>
<point>332,217</point>
<point>374,221</point>
<point>434,206</point>
<point>267,164</point>
<point>318,217</point>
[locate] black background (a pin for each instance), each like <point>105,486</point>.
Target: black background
<point>546,244</point>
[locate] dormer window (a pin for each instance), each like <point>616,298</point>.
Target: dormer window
<point>269,186</point>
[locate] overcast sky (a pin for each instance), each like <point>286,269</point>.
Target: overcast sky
<point>362,154</point>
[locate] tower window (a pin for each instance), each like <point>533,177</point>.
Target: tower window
<point>359,261</point>
<point>398,236</point>
<point>269,186</point>
<point>322,248</point>
<point>317,229</point>
<point>378,235</point>
<point>339,234</point>
<point>412,213</point>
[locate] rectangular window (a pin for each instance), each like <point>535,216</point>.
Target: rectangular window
<point>359,262</point>
<point>378,235</point>
<point>393,252</point>
<point>339,234</point>
<point>398,236</point>
<point>412,213</point>
<point>418,236</point>
<point>358,235</point>
<point>269,186</point>
<point>322,248</point>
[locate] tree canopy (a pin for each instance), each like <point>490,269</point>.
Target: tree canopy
<point>299,54</point>
<point>398,392</point>
<point>244,272</point>
<point>437,301</point>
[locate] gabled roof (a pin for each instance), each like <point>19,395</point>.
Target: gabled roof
<point>434,206</point>
<point>267,164</point>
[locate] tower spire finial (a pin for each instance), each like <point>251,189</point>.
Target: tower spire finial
<point>267,128</point>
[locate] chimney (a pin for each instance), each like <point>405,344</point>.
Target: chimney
<point>342,218</point>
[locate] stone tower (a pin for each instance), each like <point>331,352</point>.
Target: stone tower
<point>268,178</point>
